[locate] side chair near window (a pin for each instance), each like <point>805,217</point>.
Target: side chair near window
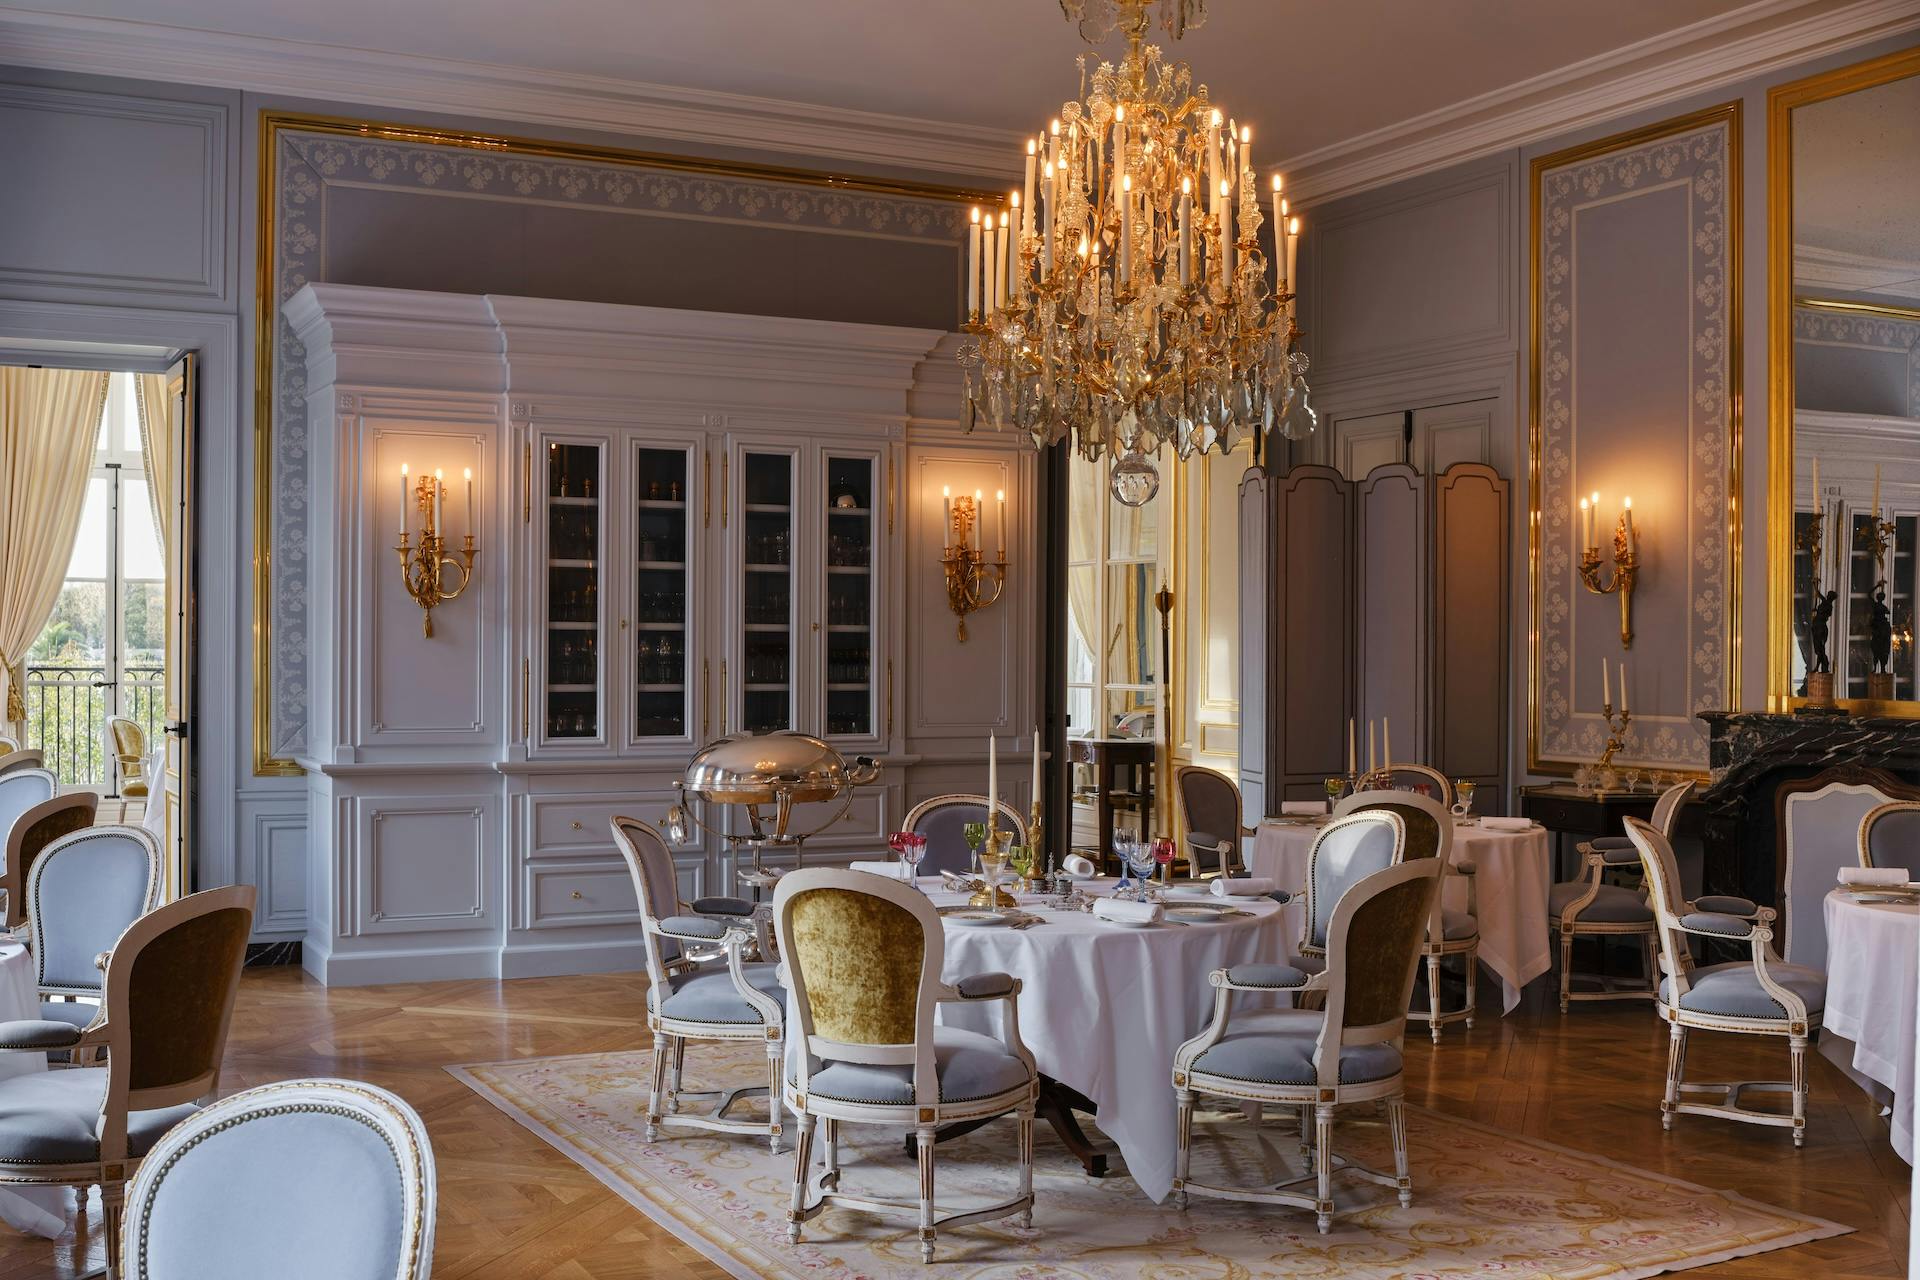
<point>1451,932</point>
<point>82,894</point>
<point>1890,835</point>
<point>1210,809</point>
<point>1760,995</point>
<point>170,984</point>
<point>943,819</point>
<point>229,1192</point>
<point>128,746</point>
<point>1348,1052</point>
<point>863,956</point>
<point>32,832</point>
<point>15,758</point>
<point>691,997</point>
<point>1594,907</point>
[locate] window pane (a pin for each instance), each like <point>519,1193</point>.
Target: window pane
<point>1133,625</point>
<point>76,631</point>
<point>1084,499</point>
<point>140,554</point>
<point>1080,623</point>
<point>123,391</point>
<point>1133,533</point>
<point>90,543</point>
<point>1130,713</point>
<point>143,616</point>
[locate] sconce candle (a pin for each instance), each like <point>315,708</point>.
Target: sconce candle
<point>973,581</point>
<point>424,565</point>
<point>1626,560</point>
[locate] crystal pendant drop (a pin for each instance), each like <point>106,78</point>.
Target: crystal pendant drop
<point>676,828</point>
<point>1135,480</point>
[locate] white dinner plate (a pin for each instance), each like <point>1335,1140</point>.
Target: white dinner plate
<point>1202,889</point>
<point>1197,912</point>
<point>1904,899</point>
<point>1124,924</point>
<point>982,919</point>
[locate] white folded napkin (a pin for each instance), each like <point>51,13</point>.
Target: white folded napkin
<point>1302,808</point>
<point>1879,876</point>
<point>1113,909</point>
<point>1244,886</point>
<point>1075,865</point>
<point>889,869</point>
<point>1507,824</point>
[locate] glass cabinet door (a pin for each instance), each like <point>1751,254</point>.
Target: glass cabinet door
<point>570,674</point>
<point>661,577</point>
<point>851,496</point>
<point>765,542</point>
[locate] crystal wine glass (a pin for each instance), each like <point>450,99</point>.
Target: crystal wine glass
<point>1020,861</point>
<point>898,843</point>
<point>1140,860</point>
<point>1334,787</point>
<point>975,834</point>
<point>1163,856</point>
<point>993,861</point>
<point>1463,790</point>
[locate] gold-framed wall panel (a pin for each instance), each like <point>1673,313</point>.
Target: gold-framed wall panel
<point>272,125</point>
<point>1730,114</point>
<point>1781,101</point>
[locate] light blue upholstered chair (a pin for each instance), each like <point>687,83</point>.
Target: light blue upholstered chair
<point>20,791</point>
<point>171,979</point>
<point>1349,1051</point>
<point>1820,833</point>
<point>696,995</point>
<point>1890,836</point>
<point>1760,995</point>
<point>1346,851</point>
<point>1595,907</point>
<point>82,893</point>
<point>864,956</point>
<point>29,837</point>
<point>323,1179</point>
<point>15,759</point>
<point>941,820</point>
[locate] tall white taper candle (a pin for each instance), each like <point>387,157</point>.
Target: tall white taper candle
<point>973,265</point>
<point>405,493</point>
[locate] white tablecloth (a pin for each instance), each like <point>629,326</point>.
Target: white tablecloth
<point>39,1210</point>
<point>1515,871</point>
<point>1873,983</point>
<point>1103,1008</point>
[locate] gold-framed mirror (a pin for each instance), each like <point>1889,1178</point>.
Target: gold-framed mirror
<point>1843,298</point>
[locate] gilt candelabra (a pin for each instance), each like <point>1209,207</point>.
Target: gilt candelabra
<point>1626,562</point>
<point>1617,722</point>
<point>424,565</point>
<point>973,581</point>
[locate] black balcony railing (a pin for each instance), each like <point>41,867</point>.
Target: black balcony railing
<point>67,710</point>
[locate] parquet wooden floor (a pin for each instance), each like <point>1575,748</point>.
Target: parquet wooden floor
<point>511,1207</point>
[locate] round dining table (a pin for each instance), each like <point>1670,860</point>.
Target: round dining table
<point>41,1211</point>
<point>1873,983</point>
<point>1513,874</point>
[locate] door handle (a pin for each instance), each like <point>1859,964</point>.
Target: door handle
<point>104,684</point>
<point>177,728</point>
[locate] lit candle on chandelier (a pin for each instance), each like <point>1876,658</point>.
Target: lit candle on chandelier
<point>1226,233</point>
<point>1213,157</point>
<point>1033,155</point>
<point>1186,232</point>
<point>988,290</point>
<point>405,493</point>
<point>1046,225</point>
<point>1246,149</point>
<point>1119,148</point>
<point>1293,252</point>
<point>1126,227</point>
<point>973,264</point>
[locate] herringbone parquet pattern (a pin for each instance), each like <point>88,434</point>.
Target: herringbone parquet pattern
<point>512,1208</point>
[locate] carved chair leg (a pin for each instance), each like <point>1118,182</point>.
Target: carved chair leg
<point>113,1195</point>
<point>1025,1217</point>
<point>829,1152</point>
<point>1473,983</point>
<point>1306,1128</point>
<point>1397,1122</point>
<point>1797,1046</point>
<point>679,1069</point>
<point>1323,1166</point>
<point>924,1137</point>
<point>1676,1069</point>
<point>1566,967</point>
<point>1182,1144</point>
<point>776,1055</point>
<point>1433,996</point>
<point>802,1158</point>
<point>660,1051</point>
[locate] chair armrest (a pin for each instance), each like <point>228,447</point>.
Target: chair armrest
<point>986,986</point>
<point>1607,844</point>
<point>1261,977</point>
<point>1283,896</point>
<point>1206,840</point>
<point>1716,924</point>
<point>102,960</point>
<point>701,929</point>
<point>1727,904</point>
<point>722,907</point>
<point>1628,857</point>
<point>1466,867</point>
<point>37,1035</point>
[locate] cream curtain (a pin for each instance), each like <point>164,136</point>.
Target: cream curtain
<point>155,406</point>
<point>49,422</point>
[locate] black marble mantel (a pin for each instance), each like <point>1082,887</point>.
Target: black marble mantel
<point>1752,753</point>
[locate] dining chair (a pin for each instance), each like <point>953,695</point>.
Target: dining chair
<point>170,983</point>
<point>1410,775</point>
<point>1210,809</point>
<point>943,819</point>
<point>1347,1052</point>
<point>1595,907</point>
<point>1890,835</point>
<point>83,891</point>
<point>1452,933</point>
<point>128,745</point>
<point>29,837</point>
<point>863,957</point>
<point>22,758</point>
<point>234,1191</point>
<point>1760,995</point>
<point>1820,833</point>
<point>692,995</point>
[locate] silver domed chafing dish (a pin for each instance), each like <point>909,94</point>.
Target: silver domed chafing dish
<point>758,770</point>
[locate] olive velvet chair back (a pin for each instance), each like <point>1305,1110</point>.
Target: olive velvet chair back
<point>1373,950</point>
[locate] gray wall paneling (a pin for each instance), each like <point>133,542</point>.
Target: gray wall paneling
<point>1472,592</point>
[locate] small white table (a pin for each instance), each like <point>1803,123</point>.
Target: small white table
<point>1514,873</point>
<point>41,1211</point>
<point>1873,982</point>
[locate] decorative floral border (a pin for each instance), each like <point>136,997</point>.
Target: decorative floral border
<point>1864,329</point>
<point>305,161</point>
<point>1699,157</point>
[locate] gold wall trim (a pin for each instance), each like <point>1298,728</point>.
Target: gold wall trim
<point>272,125</point>
<point>1727,113</point>
<point>1781,101</point>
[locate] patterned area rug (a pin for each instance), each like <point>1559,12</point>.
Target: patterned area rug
<point>1485,1202</point>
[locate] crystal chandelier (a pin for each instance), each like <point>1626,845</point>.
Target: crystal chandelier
<point>1121,296</point>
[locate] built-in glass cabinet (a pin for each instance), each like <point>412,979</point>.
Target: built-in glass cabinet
<point>662,545</point>
<point>850,496</point>
<point>766,616</point>
<point>570,659</point>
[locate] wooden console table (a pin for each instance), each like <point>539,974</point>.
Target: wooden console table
<point>1565,810</point>
<point>1108,758</point>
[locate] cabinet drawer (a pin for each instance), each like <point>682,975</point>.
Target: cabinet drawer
<point>577,825</point>
<point>559,896</point>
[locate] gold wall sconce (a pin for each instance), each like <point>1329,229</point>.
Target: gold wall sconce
<point>973,581</point>
<point>1626,559</point>
<point>424,565</point>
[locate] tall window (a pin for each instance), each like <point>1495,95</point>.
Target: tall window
<point>102,649</point>
<point>1113,571</point>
